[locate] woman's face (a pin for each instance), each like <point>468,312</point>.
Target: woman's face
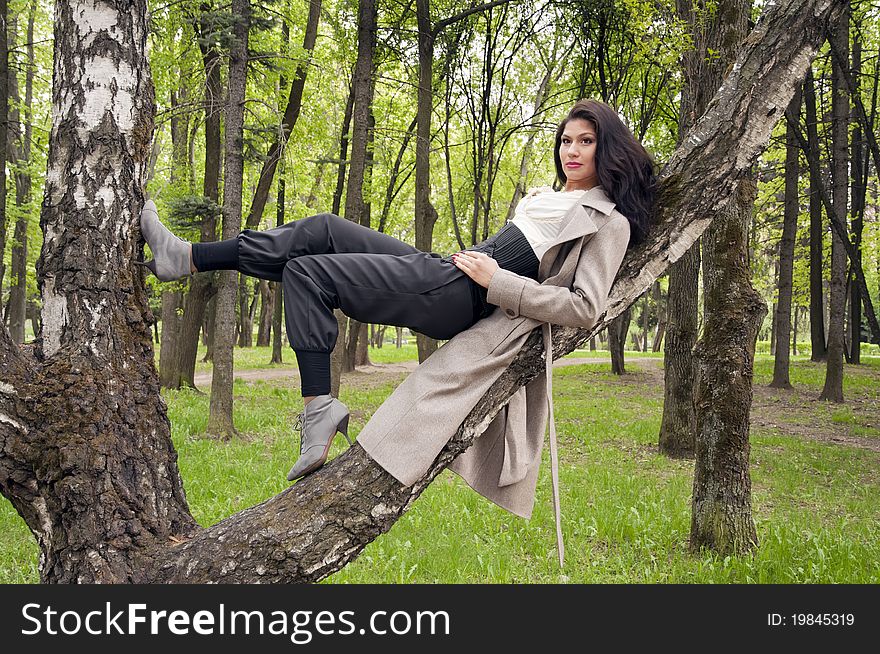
<point>577,152</point>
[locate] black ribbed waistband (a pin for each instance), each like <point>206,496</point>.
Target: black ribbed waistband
<point>513,252</point>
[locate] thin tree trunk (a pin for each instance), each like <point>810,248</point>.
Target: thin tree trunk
<point>357,353</point>
<point>678,426</point>
<point>817,228</point>
<point>833,389</point>
<point>278,313</point>
<point>678,423</point>
<point>343,151</point>
<point>425,213</point>
<point>169,344</point>
<point>859,166</point>
<point>201,287</point>
<point>220,422</point>
<point>661,318</point>
<point>267,310</point>
<point>18,287</point>
<point>786,250</point>
<point>617,331</point>
<point>4,129</point>
<point>393,187</point>
<point>172,297</point>
<point>288,121</point>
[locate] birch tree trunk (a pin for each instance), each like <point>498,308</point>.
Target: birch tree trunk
<point>85,451</point>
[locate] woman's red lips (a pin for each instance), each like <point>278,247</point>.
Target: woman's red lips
<point>573,164</point>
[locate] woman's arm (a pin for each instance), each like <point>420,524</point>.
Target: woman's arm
<point>579,306</point>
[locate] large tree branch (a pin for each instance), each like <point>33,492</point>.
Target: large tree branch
<point>441,25</point>
<point>315,527</point>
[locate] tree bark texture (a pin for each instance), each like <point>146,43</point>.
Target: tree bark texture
<point>85,450</point>
<point>220,421</point>
<point>678,424</point>
<point>732,314</point>
<point>791,211</point>
<point>722,497</point>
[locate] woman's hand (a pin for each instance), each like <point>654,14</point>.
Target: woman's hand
<point>476,265</point>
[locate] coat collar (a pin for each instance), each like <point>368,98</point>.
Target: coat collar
<point>578,222</point>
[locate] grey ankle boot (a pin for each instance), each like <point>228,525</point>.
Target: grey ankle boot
<point>171,254</point>
<point>318,424</point>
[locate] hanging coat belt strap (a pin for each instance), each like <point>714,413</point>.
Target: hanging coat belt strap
<point>554,458</point>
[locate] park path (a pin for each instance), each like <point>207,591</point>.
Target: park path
<point>792,413</point>
<point>203,379</point>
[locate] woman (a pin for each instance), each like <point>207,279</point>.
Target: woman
<point>325,262</point>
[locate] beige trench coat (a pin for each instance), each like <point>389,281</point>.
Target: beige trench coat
<point>412,426</point>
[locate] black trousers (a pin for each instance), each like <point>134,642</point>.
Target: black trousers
<point>325,262</point>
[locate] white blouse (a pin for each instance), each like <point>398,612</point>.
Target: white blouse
<point>539,215</point>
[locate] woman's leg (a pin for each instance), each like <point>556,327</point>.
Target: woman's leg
<point>418,291</point>
<point>264,253</point>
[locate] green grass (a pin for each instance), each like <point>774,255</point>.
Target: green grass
<point>626,509</point>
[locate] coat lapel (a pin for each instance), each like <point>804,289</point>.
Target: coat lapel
<point>577,223</point>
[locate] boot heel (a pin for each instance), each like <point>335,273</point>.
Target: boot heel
<point>149,265</point>
<point>343,429</point>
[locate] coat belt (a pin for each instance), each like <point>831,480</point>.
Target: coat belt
<point>554,459</point>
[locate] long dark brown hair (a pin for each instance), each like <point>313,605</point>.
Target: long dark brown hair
<point>625,169</point>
